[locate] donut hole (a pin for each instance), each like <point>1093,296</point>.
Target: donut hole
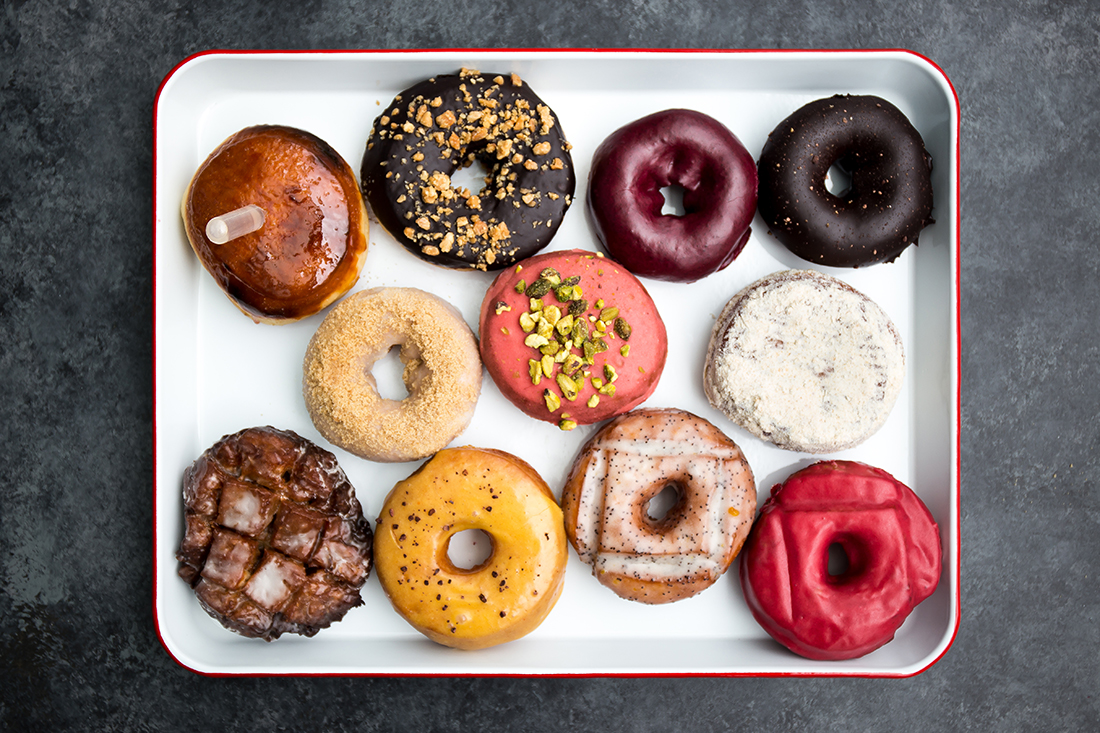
<point>838,563</point>
<point>659,507</point>
<point>389,375</point>
<point>472,175</point>
<point>847,560</point>
<point>469,549</point>
<point>838,181</point>
<point>674,200</point>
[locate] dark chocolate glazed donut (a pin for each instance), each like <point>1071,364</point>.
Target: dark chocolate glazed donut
<point>888,203</point>
<point>674,147</point>
<point>443,124</point>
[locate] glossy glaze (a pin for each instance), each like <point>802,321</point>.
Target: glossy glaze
<point>676,147</point>
<point>311,247</point>
<point>892,546</point>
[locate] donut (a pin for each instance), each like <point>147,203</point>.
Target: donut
<point>676,147</point>
<point>804,361</point>
<point>274,539</point>
<point>888,202</point>
<point>446,123</point>
<point>890,543</point>
<point>313,240</point>
<point>509,594</point>
<point>611,524</point>
<point>442,374</point>
<point>572,338</point>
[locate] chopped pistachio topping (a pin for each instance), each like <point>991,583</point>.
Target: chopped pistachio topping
<point>568,387</point>
<point>535,341</point>
<point>538,288</point>
<point>553,402</point>
<point>564,326</point>
<point>562,334</point>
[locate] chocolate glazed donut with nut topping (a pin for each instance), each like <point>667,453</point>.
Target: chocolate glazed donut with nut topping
<point>444,124</point>
<point>888,203</point>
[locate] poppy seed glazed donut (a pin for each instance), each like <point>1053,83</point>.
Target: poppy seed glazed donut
<point>888,203</point>
<point>624,467</point>
<point>675,147</point>
<point>445,123</point>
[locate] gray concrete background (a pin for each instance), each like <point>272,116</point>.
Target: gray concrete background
<point>78,648</point>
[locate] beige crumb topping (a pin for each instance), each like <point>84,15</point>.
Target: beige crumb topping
<point>442,374</point>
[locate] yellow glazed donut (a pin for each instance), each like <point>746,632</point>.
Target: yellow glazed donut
<point>442,374</point>
<point>511,592</point>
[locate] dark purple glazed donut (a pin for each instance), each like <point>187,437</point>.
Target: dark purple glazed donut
<point>443,124</point>
<point>675,147</point>
<point>888,203</point>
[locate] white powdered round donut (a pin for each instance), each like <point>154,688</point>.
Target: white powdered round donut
<point>804,361</point>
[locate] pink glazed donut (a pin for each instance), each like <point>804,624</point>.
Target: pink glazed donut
<point>888,536</point>
<point>676,147</point>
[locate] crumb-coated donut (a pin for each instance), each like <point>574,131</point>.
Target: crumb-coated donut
<point>676,147</point>
<point>892,559</point>
<point>444,124</point>
<point>442,374</point>
<point>511,592</point>
<point>313,241</point>
<point>804,361</point>
<point>619,472</point>
<point>888,202</point>
<point>572,338</point>
<point>275,541</point>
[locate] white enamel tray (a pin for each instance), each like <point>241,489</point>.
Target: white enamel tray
<point>216,372</point>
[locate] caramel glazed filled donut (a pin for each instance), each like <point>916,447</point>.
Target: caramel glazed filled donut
<point>275,541</point>
<point>888,203</point>
<point>511,592</point>
<point>446,123</point>
<point>442,374</point>
<point>629,462</point>
<point>313,240</point>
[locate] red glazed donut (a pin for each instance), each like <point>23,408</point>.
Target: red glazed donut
<point>674,147</point>
<point>892,546</point>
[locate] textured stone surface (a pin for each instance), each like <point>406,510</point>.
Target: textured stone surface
<point>78,647</point>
